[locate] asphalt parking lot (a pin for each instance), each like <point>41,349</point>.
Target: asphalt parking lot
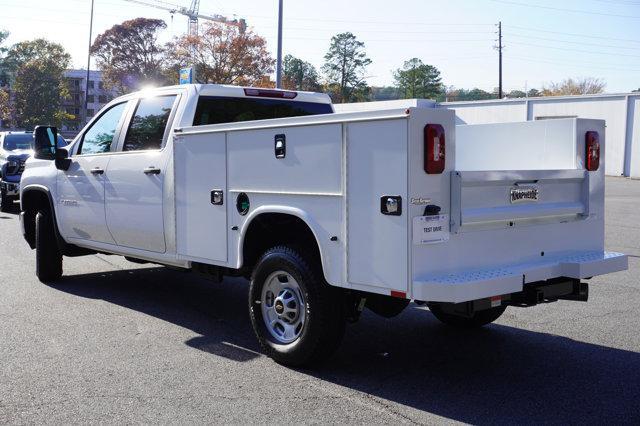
<point>115,342</point>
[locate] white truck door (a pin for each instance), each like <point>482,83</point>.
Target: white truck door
<point>80,204</point>
<point>135,177</point>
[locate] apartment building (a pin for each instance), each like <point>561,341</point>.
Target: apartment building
<point>96,97</point>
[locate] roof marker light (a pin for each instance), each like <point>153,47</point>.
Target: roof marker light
<point>269,93</point>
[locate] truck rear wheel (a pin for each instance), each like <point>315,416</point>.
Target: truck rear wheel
<point>297,317</point>
<point>48,256</point>
<point>478,319</point>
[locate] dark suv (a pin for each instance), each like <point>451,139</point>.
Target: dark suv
<point>15,148</point>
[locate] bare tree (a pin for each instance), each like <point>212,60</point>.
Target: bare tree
<point>579,86</point>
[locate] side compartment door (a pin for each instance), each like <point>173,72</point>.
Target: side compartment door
<point>134,184</point>
<point>80,203</point>
<point>201,216</point>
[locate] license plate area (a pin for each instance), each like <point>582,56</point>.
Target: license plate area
<point>430,229</point>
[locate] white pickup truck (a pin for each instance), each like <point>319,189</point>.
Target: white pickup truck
<point>327,212</point>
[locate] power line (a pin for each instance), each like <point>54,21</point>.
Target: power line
<point>620,2</point>
<point>562,9</point>
<point>574,34</point>
<point>571,64</point>
<point>574,50</point>
<point>355,21</point>
<point>572,42</point>
<point>385,31</point>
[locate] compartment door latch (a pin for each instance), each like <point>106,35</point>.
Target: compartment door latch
<point>217,197</point>
<point>280,146</point>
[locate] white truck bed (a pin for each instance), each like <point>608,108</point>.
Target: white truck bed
<point>339,166</point>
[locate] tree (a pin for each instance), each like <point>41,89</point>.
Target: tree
<point>385,93</point>
<point>418,80</point>
<point>130,56</point>
<point>299,75</point>
<point>344,67</point>
<point>222,54</point>
<point>475,94</point>
<point>516,94</point>
<point>534,93</point>
<point>581,86</point>
<point>4,74</point>
<point>39,86</point>
<point>5,109</point>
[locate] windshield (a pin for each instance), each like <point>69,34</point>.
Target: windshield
<point>24,141</point>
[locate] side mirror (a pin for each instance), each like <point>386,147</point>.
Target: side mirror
<point>45,140</point>
<point>63,162</point>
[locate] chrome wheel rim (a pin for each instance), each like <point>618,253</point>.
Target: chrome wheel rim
<point>283,307</point>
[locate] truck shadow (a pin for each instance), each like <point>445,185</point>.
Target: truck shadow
<point>498,374</point>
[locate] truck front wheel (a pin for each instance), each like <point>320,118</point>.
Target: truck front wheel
<point>48,256</point>
<point>478,319</point>
<point>5,201</point>
<point>297,317</point>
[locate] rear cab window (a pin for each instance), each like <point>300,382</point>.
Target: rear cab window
<point>148,125</point>
<point>220,109</point>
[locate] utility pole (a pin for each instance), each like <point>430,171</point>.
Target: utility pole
<point>500,60</point>
<point>86,89</point>
<point>279,63</point>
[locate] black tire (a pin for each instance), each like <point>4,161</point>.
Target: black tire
<point>48,256</point>
<point>5,201</point>
<point>324,324</point>
<point>478,319</point>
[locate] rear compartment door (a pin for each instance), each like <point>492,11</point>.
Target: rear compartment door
<point>377,168</point>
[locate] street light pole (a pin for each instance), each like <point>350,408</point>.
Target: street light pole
<point>279,63</point>
<point>86,90</point>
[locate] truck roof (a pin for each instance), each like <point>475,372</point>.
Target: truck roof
<point>249,92</point>
<point>241,92</point>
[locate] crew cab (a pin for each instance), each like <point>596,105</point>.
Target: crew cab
<point>327,212</point>
<point>15,148</point>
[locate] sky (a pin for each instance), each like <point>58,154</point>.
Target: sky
<point>545,40</point>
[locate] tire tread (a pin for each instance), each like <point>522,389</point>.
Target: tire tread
<point>48,256</point>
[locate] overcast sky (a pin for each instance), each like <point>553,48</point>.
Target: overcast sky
<point>545,40</point>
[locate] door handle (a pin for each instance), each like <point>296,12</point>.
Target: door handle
<point>97,171</point>
<point>151,171</point>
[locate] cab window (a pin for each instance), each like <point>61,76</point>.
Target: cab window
<point>149,123</point>
<point>98,138</point>
<point>220,109</point>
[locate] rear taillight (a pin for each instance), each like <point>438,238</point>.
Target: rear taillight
<point>434,153</point>
<point>268,93</point>
<point>592,153</point>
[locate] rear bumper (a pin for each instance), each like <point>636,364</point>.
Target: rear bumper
<point>478,284</point>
